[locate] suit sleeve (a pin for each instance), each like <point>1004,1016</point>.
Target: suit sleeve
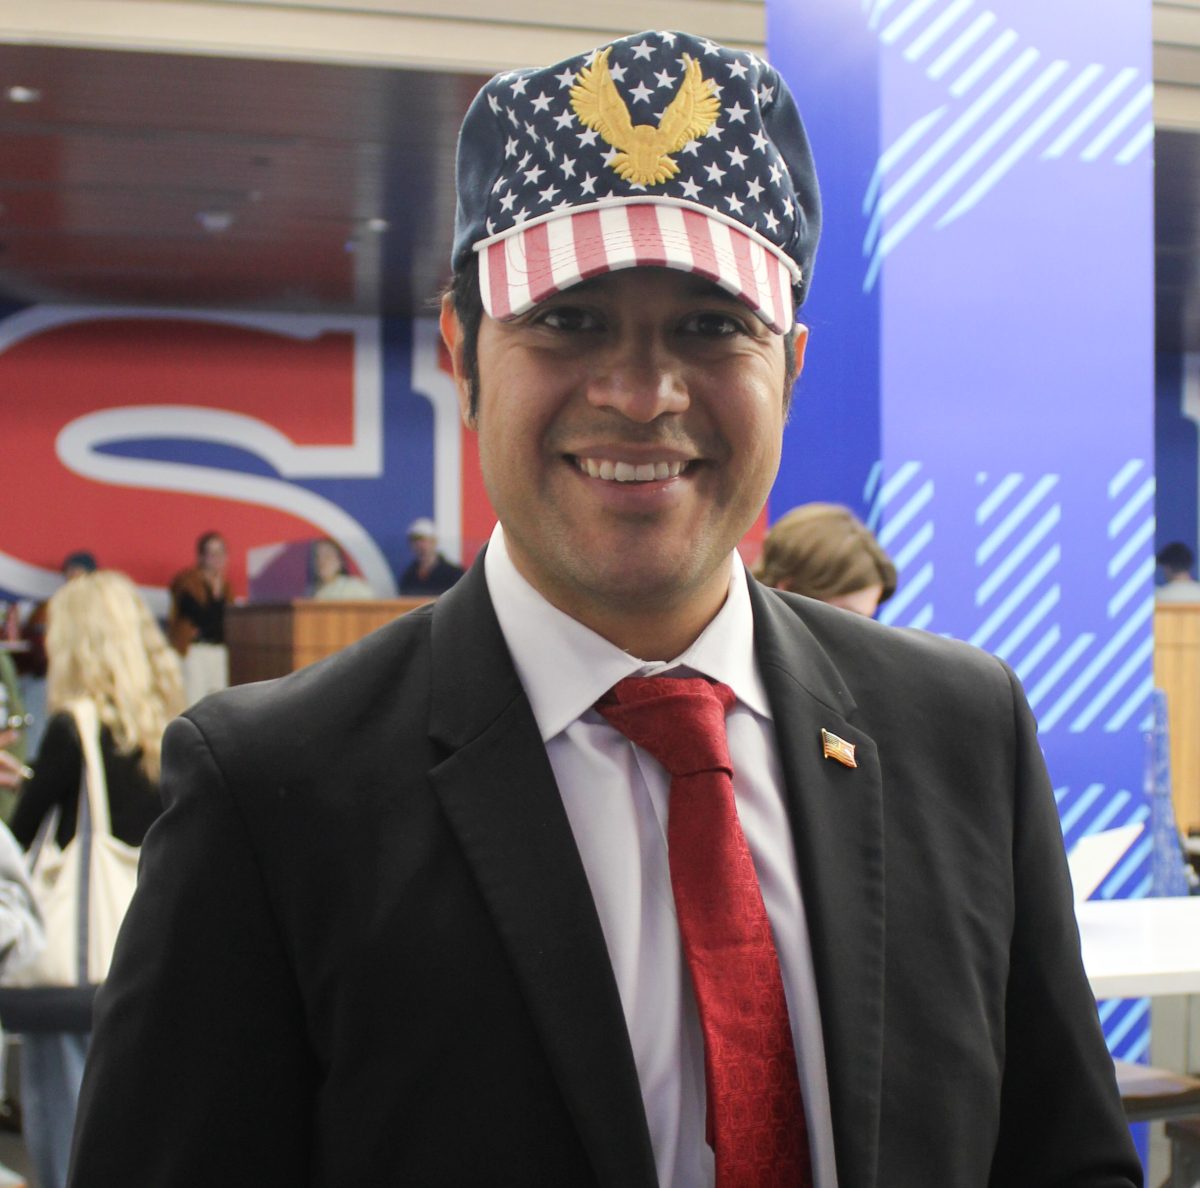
<point>199,1071</point>
<point>1061,1119</point>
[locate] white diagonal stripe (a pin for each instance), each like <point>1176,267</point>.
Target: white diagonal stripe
<point>948,139</point>
<point>1002,491</point>
<point>935,29</point>
<point>896,151</point>
<point>960,45</point>
<point>1091,113</point>
<point>1119,123</point>
<point>1140,139</point>
<point>951,177</point>
<point>1005,528</point>
<point>1021,145</point>
<point>906,20</point>
<point>986,60</point>
<point>1124,477</point>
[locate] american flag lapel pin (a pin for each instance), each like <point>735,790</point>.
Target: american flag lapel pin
<point>836,748</point>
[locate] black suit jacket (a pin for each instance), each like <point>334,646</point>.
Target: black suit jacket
<point>364,950</point>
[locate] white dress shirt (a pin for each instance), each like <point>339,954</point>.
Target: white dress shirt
<point>616,796</point>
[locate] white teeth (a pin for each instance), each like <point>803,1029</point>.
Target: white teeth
<point>627,472</point>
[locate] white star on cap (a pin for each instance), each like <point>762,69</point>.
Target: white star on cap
<point>541,101</point>
<point>567,78</point>
<point>759,141</point>
<point>491,227</point>
<point>501,182</point>
<point>715,131</point>
<point>561,204</point>
<point>715,172</point>
<point>547,195</point>
<point>734,202</point>
<point>669,38</point>
<point>692,148</point>
<point>524,161</point>
<point>737,113</point>
<point>494,103</point>
<point>737,69</point>
<point>610,156</point>
<point>532,130</point>
<point>691,190</point>
<point>754,189</point>
<point>776,172</point>
<point>788,208</point>
<point>567,165</point>
<point>737,158</point>
<point>512,115</point>
<point>645,50</point>
<point>588,136</point>
<point>506,203</point>
<point>588,185</point>
<point>510,149</point>
<point>665,79</point>
<point>765,95</point>
<point>564,119</point>
<point>709,48</point>
<point>770,219</point>
<point>521,215</point>
<point>641,93</point>
<point>533,175</point>
<point>549,148</point>
<point>618,73</point>
<point>518,88</point>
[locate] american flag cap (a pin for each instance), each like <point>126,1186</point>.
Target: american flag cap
<point>658,150</point>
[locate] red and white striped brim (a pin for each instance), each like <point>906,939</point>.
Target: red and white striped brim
<point>528,263</point>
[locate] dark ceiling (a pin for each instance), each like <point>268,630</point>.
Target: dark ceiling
<point>164,179</point>
<point>171,179</point>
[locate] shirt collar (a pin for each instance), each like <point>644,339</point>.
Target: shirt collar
<point>566,667</point>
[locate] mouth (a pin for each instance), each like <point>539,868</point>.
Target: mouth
<point>630,472</point>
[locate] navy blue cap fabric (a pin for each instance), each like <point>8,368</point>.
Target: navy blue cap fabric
<point>658,149</point>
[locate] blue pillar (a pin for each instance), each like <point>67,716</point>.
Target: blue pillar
<point>980,382</point>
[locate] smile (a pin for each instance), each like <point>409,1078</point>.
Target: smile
<point>627,472</point>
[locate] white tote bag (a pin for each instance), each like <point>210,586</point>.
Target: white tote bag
<point>83,889</point>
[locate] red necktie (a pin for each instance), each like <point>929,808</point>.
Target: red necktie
<point>756,1124</point>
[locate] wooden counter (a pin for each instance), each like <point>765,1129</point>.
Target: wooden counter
<point>272,639</point>
<point>1177,671</point>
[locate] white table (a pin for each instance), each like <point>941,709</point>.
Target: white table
<point>1137,948</point>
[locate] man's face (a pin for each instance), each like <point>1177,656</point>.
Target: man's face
<point>644,373</point>
<point>424,548</point>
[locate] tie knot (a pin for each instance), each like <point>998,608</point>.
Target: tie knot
<point>679,720</point>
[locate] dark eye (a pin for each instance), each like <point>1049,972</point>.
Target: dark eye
<point>571,319</point>
<point>712,324</point>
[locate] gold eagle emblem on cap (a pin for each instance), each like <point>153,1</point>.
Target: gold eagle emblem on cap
<point>643,150</point>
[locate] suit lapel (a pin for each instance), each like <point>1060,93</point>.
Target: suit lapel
<point>837,825</point>
<point>497,789</point>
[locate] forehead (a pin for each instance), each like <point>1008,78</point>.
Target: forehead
<point>647,287</point>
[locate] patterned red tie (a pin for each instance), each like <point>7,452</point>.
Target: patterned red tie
<point>756,1124</point>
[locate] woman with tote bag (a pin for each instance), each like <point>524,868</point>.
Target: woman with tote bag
<point>113,685</point>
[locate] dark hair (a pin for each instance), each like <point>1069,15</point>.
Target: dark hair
<point>1176,557</point>
<point>205,540</point>
<point>824,550</point>
<point>468,306</point>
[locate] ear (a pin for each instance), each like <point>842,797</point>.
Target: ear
<point>452,337</point>
<point>801,346</point>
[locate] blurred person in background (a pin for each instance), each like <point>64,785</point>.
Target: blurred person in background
<point>103,645</point>
<point>429,572</point>
<point>196,625</point>
<point>331,576</point>
<point>1176,563</point>
<point>31,664</point>
<point>824,551</point>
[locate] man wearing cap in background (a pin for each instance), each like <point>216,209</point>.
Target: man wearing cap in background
<point>612,867</point>
<point>429,572</point>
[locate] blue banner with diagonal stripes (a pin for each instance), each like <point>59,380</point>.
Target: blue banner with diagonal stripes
<point>979,381</point>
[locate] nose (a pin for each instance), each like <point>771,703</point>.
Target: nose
<point>639,379</point>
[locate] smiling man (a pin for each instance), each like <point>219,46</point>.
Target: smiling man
<point>613,868</point>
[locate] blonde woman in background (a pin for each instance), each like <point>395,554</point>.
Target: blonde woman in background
<point>103,645</point>
<point>823,550</point>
